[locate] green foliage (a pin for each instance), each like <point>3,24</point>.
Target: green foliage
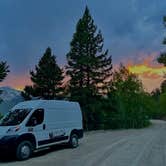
<point>108,100</point>
<point>94,114</point>
<point>47,78</point>
<point>88,65</point>
<point>127,95</point>
<point>158,97</point>
<point>4,69</point>
<point>163,87</point>
<point>28,92</point>
<point>162,58</point>
<point>156,94</point>
<point>89,69</point>
<point>127,105</point>
<point>162,101</point>
<point>161,111</point>
<point>125,82</point>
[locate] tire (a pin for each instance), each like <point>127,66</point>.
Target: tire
<point>73,141</point>
<point>24,150</point>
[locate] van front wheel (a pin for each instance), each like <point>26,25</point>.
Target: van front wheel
<point>24,150</point>
<point>73,141</point>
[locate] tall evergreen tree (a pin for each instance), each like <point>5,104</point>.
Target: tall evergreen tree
<point>162,58</point>
<point>47,78</point>
<point>4,69</point>
<point>89,67</point>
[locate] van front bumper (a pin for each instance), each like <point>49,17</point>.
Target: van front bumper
<point>8,144</point>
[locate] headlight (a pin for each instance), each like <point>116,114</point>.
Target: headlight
<point>13,129</point>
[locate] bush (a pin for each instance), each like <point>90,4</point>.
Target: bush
<point>161,110</point>
<point>131,112</point>
<point>126,106</point>
<point>94,115</point>
<point>158,102</point>
<point>128,102</point>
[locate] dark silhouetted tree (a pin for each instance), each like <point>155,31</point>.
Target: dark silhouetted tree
<point>47,78</point>
<point>89,67</point>
<point>156,94</point>
<point>4,69</point>
<point>162,58</point>
<point>163,87</point>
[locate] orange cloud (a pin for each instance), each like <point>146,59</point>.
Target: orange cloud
<point>149,71</point>
<point>146,67</point>
<point>16,81</point>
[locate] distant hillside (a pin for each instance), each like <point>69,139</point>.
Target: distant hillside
<point>10,97</point>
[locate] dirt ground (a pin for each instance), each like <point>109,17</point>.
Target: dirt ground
<point>142,147</point>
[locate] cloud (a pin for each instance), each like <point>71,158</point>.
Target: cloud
<point>132,29</point>
<point>16,81</point>
<point>149,71</point>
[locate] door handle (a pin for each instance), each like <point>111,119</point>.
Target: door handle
<point>44,126</point>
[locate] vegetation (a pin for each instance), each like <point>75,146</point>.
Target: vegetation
<point>89,67</point>
<point>159,95</point>
<point>47,78</point>
<point>4,69</point>
<point>108,99</point>
<point>162,58</point>
<point>128,96</point>
<point>158,100</point>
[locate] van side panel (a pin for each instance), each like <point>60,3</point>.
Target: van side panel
<point>60,120</point>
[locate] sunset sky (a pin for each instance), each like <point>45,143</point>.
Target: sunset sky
<point>133,31</point>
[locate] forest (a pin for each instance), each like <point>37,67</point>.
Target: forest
<point>110,98</point>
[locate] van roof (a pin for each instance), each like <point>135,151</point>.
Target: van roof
<point>40,103</point>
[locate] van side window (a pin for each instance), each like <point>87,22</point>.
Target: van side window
<point>36,118</point>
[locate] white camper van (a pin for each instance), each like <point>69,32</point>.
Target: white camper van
<point>32,125</point>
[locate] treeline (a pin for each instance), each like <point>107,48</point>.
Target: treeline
<point>109,98</point>
<point>4,69</point>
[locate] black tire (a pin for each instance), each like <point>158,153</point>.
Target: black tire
<point>24,150</point>
<point>73,141</point>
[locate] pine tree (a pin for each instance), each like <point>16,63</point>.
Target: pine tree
<point>47,78</point>
<point>89,67</point>
<point>163,87</point>
<point>162,58</point>
<point>4,69</point>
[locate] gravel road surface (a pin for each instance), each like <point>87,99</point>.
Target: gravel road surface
<point>142,147</point>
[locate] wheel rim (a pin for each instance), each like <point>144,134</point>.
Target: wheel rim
<point>25,151</point>
<point>74,141</point>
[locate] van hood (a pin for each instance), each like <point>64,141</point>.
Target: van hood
<point>3,130</point>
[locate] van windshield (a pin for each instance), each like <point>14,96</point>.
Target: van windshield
<point>14,117</point>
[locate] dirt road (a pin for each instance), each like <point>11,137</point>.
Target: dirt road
<point>143,147</point>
